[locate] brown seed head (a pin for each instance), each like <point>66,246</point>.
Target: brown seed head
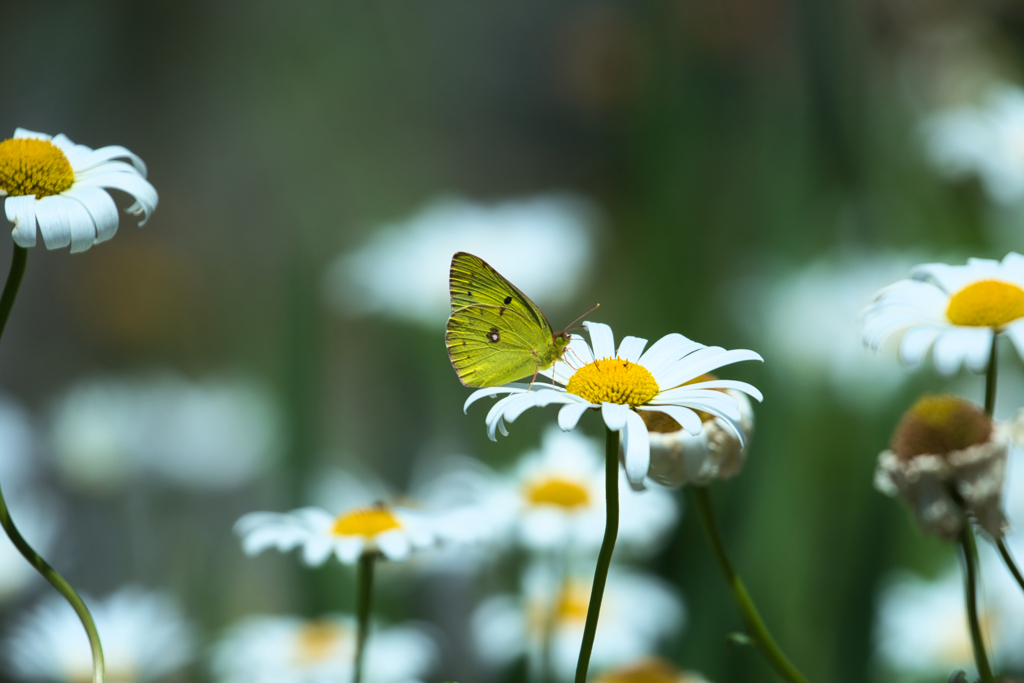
<point>939,425</point>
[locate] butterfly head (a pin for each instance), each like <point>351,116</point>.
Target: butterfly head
<point>561,340</point>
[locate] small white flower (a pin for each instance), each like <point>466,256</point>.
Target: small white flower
<point>281,649</point>
<point>622,383</point>
<point>212,435</point>
<point>953,310</point>
<point>554,500</point>
<point>637,613</point>
<point>986,141</point>
<point>402,271</point>
<point>678,457</point>
<point>52,183</point>
<point>144,637</point>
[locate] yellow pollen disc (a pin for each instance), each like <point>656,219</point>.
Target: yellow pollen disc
<point>612,380</point>
<point>988,303</point>
<point>556,491</point>
<point>572,603</point>
<point>33,166</point>
<point>366,522</point>
<point>317,641</point>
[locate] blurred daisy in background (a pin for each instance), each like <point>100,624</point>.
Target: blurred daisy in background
<point>622,383</point>
<point>637,614</point>
<point>402,272</point>
<point>954,311</point>
<point>650,670</point>
<point>985,141</point>
<point>211,435</point>
<point>61,187</point>
<point>553,500</point>
<point>144,637</point>
<point>806,321</point>
<point>284,649</point>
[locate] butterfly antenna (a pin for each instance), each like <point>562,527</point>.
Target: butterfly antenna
<point>570,328</point>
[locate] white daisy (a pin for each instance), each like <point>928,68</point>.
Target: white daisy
<point>985,141</point>
<point>554,500</point>
<point>649,670</point>
<point>52,183</point>
<point>637,613</point>
<point>144,637</point>
<point>622,383</point>
<point>281,649</point>
<point>953,310</point>
<point>678,457</point>
<point>402,272</point>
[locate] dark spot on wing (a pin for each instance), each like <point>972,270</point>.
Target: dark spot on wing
<point>469,293</point>
<point>463,342</point>
<point>493,336</point>
<point>508,300</point>
<point>502,311</point>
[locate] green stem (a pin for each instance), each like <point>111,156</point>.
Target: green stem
<point>756,629</point>
<point>990,378</point>
<point>364,580</point>
<point>49,573</point>
<point>604,558</point>
<point>1008,559</point>
<point>970,555</point>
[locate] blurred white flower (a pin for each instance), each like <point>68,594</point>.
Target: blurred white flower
<point>280,649</point>
<point>208,436</point>
<point>543,244</point>
<point>144,637</point>
<point>807,320</point>
<point>952,310</point>
<point>650,670</point>
<point>986,141</point>
<point>637,613</point>
<point>52,183</point>
<point>554,500</point>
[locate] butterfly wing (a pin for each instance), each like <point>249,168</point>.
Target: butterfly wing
<point>494,345</point>
<point>473,281</point>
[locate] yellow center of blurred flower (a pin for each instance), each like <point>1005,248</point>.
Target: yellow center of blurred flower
<point>557,491</point>
<point>613,380</point>
<point>366,522</point>
<point>988,303</point>
<point>317,641</point>
<point>956,645</point>
<point>646,671</point>
<point>939,425</point>
<point>572,602</point>
<point>33,166</point>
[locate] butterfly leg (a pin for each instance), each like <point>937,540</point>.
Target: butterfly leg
<point>534,378</point>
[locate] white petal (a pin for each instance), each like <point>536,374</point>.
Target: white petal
<point>316,550</point>
<point>631,348</point>
<point>570,415</point>
<point>748,389</point>
<point>702,362</point>
<point>394,545</point>
<point>24,133</point>
<point>614,415</point>
<point>916,342</point>
<point>100,206</point>
<point>667,351</point>
<point>686,418</point>
<point>83,229</point>
<point>954,345</point>
<point>601,340</point>
<point>1016,334</point>
<point>637,448</point>
<point>54,224</point>
<point>490,392</point>
<point>145,194</point>
<point>98,156</point>
<point>349,548</point>
<point>22,212</point>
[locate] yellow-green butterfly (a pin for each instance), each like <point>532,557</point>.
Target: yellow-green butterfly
<point>496,335</point>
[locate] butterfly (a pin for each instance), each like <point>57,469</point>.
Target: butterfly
<point>496,335</point>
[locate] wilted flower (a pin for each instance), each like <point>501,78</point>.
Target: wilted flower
<point>144,637</point>
<point>945,444</point>
<point>624,383</point>
<point>402,271</point>
<point>953,310</point>
<point>280,649</point>
<point>637,612</point>
<point>649,670</point>
<point>59,186</point>
<point>678,457</point>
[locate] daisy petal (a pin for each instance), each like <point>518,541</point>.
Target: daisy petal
<point>614,415</point>
<point>915,344</point>
<point>636,447</point>
<point>490,392</point>
<point>631,348</point>
<point>667,351</point>
<point>601,339</point>
<point>570,415</point>
<point>22,212</point>
<point>394,545</point>
<point>54,223</point>
<point>145,194</point>
<point>349,549</point>
<point>686,418</point>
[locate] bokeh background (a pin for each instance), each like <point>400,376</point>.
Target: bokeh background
<point>752,170</point>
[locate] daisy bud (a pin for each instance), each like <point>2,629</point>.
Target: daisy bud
<point>941,445</point>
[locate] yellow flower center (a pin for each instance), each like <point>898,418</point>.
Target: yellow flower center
<point>557,491</point>
<point>939,425</point>
<point>613,380</point>
<point>987,303</point>
<point>646,671</point>
<point>572,603</point>
<point>366,522</point>
<point>317,641</point>
<point>33,166</point>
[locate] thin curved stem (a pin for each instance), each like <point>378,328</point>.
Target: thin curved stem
<point>756,628</point>
<point>604,558</point>
<point>1008,559</point>
<point>49,573</point>
<point>970,557</point>
<point>990,377</point>
<point>365,588</point>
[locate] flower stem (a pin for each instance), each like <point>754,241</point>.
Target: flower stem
<point>990,378</point>
<point>756,629</point>
<point>1008,559</point>
<point>604,558</point>
<point>364,579</point>
<point>49,573</point>
<point>970,555</point>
